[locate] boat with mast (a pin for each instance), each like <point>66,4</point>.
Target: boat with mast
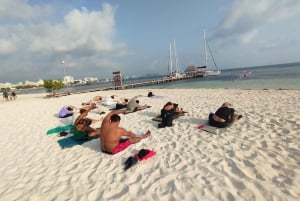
<point>206,71</point>
<point>172,53</point>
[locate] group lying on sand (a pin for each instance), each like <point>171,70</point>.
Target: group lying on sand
<point>112,136</point>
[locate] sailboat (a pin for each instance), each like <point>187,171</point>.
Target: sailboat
<point>173,74</point>
<point>209,72</point>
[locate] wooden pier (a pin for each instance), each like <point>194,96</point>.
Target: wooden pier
<point>132,85</point>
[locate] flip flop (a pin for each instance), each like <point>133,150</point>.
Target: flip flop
<point>201,126</point>
<point>62,133</point>
<point>144,154</point>
<point>130,162</point>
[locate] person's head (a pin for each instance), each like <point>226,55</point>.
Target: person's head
<point>227,104</point>
<point>69,109</point>
<point>115,118</point>
<point>168,103</point>
<point>150,94</point>
<point>87,121</point>
<point>82,110</point>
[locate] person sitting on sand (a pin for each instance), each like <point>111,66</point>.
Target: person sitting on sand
<point>150,94</point>
<point>111,141</point>
<point>82,125</point>
<point>66,111</point>
<point>134,104</point>
<point>13,95</point>
<point>168,112</point>
<point>224,116</point>
<point>5,95</point>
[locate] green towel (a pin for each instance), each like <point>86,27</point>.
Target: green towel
<point>60,129</point>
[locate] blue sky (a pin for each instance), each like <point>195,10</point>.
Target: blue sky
<point>95,38</point>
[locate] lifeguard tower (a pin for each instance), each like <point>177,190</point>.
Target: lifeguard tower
<point>117,77</point>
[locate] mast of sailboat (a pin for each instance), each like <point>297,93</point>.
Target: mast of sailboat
<point>170,60</point>
<point>213,58</point>
<point>205,48</point>
<point>175,55</point>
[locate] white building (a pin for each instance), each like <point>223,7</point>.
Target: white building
<point>68,79</point>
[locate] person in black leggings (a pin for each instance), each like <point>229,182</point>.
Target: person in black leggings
<point>223,117</point>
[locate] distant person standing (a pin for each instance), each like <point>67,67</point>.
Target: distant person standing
<point>13,95</point>
<point>5,95</point>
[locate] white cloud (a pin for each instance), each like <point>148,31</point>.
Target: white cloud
<point>85,38</point>
<point>20,9</point>
<point>246,17</point>
<point>6,47</point>
<point>92,31</point>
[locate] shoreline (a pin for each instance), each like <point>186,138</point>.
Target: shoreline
<point>140,88</point>
<point>48,96</point>
<point>257,158</point>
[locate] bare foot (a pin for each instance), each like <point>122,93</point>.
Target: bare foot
<point>147,134</point>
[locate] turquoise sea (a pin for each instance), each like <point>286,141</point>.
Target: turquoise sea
<point>281,76</point>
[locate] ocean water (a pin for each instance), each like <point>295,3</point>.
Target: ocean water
<point>282,76</point>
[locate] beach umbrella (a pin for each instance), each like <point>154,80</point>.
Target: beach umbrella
<point>191,69</point>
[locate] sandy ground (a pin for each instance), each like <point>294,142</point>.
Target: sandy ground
<point>257,158</point>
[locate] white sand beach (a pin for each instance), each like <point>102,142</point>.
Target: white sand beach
<point>256,159</point>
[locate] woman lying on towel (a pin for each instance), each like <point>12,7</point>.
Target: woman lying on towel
<point>224,116</point>
<point>168,112</point>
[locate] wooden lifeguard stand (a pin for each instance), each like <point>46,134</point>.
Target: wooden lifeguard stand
<point>117,77</point>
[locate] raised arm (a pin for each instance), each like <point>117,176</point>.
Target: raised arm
<point>73,107</point>
<point>84,112</point>
<point>107,118</point>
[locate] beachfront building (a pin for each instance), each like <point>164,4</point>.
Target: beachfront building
<point>89,80</point>
<point>68,79</point>
<point>5,85</point>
